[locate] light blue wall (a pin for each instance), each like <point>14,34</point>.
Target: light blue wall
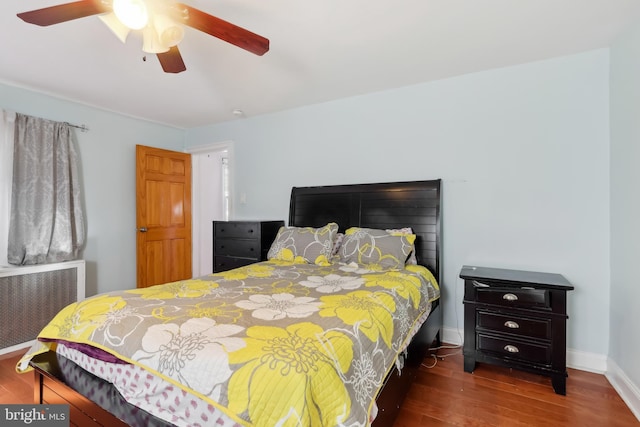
<point>625,203</point>
<point>108,169</point>
<point>523,152</point>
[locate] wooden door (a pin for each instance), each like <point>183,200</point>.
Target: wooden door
<point>163,215</point>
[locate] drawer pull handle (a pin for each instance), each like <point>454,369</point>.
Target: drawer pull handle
<point>480,284</point>
<point>511,348</point>
<point>510,297</point>
<point>511,324</point>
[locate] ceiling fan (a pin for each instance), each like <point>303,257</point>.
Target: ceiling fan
<point>161,23</point>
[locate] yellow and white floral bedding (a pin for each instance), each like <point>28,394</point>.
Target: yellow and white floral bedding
<point>273,343</point>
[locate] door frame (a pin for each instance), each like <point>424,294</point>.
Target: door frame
<point>227,146</point>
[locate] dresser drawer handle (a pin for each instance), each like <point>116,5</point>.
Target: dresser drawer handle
<point>511,324</point>
<point>510,297</point>
<point>511,348</point>
<point>480,284</point>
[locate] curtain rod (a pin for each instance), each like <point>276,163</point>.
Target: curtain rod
<point>83,128</point>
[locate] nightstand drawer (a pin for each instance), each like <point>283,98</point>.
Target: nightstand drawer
<point>514,349</point>
<point>247,248</point>
<point>245,230</point>
<point>514,297</point>
<point>223,263</point>
<point>522,326</point>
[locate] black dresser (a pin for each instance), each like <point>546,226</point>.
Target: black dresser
<point>238,243</point>
<point>516,319</point>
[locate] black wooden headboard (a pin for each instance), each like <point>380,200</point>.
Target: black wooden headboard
<point>413,204</point>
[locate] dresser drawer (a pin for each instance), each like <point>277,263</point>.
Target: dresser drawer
<point>513,297</point>
<point>514,349</point>
<point>245,230</point>
<point>223,263</point>
<point>78,417</point>
<point>238,243</point>
<point>245,248</point>
<point>517,325</point>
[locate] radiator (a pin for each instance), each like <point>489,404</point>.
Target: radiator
<point>30,297</point>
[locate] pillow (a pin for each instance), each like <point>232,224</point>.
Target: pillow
<point>304,244</point>
<point>412,260</point>
<point>376,249</point>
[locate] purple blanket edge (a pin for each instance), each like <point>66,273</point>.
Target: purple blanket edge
<point>90,351</point>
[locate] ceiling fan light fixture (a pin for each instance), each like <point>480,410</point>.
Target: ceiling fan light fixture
<point>160,38</point>
<point>132,13</point>
<point>118,28</point>
<point>151,42</point>
<point>168,31</point>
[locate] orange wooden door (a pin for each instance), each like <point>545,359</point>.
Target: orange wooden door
<point>163,215</point>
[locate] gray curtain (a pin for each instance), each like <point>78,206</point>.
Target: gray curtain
<point>47,218</point>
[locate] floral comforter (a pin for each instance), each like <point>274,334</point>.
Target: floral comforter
<point>270,344</point>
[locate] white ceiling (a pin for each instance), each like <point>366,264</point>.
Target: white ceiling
<point>320,50</point>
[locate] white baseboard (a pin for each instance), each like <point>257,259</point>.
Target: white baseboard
<point>584,361</point>
<point>628,391</point>
<point>452,336</point>
<point>24,346</point>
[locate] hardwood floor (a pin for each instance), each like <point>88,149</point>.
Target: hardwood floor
<point>14,387</point>
<point>496,396</point>
<point>444,395</point>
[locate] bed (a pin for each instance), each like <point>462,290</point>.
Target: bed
<point>359,366</point>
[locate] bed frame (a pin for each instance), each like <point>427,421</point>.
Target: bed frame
<point>413,204</point>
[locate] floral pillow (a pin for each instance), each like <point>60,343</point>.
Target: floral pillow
<point>376,249</point>
<point>412,260</point>
<point>304,244</point>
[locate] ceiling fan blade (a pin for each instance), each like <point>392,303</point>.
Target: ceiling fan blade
<point>223,30</point>
<point>63,12</point>
<point>171,61</point>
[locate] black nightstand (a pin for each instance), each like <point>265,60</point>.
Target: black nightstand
<point>239,243</point>
<point>516,319</point>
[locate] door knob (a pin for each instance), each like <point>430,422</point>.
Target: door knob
<point>143,229</point>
